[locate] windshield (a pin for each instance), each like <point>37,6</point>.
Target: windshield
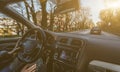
<point>104,14</point>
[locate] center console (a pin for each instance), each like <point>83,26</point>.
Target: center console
<point>67,53</point>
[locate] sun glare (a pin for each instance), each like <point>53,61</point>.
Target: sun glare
<point>113,4</point>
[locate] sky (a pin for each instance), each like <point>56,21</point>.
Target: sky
<point>95,7</point>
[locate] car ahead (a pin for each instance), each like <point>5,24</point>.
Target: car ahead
<point>55,52</point>
<point>95,30</point>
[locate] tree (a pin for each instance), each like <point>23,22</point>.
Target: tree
<point>106,15</point>
<point>30,10</point>
<point>44,14</point>
<point>51,15</point>
<point>27,10</point>
<point>81,16</point>
<point>110,20</point>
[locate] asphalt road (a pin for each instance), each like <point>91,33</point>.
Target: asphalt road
<point>87,32</point>
<point>103,35</point>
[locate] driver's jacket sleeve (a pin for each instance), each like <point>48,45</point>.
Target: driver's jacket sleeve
<point>5,58</point>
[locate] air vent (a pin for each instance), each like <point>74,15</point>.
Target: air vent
<point>76,42</point>
<point>63,40</point>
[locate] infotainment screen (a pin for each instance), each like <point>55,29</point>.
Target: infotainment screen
<point>67,56</point>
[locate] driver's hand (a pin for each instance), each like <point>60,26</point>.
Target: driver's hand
<point>15,50</point>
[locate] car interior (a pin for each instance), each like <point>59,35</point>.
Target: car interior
<point>60,52</point>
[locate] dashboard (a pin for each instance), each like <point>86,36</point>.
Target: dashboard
<point>68,50</point>
<point>73,51</point>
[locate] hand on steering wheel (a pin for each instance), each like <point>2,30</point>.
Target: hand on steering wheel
<point>32,45</point>
<point>17,48</point>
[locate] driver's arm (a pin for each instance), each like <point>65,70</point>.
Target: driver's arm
<point>5,58</point>
<point>14,50</point>
<point>4,55</point>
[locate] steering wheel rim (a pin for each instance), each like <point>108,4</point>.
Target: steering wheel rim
<point>43,37</point>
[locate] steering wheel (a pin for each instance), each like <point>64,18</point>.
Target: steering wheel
<point>32,45</point>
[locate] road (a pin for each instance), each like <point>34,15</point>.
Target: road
<point>103,35</point>
<point>87,32</point>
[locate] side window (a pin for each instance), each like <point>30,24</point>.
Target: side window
<point>10,28</point>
